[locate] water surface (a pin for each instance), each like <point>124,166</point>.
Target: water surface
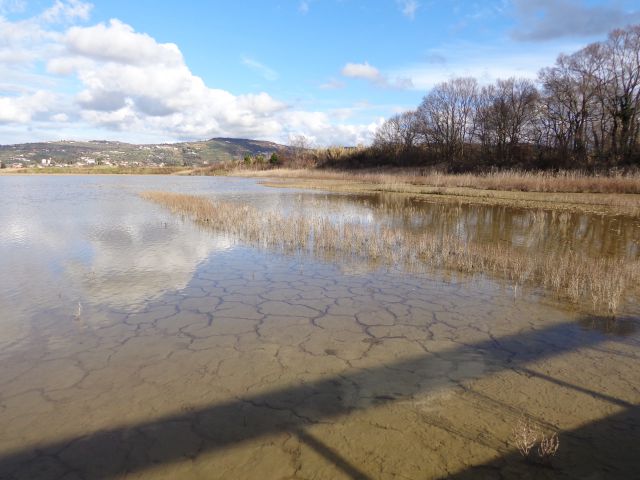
<point>135,344</point>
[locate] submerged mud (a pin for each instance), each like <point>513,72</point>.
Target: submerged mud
<point>264,365</point>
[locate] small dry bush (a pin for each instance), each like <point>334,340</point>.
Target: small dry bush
<point>548,447</point>
<point>525,437</point>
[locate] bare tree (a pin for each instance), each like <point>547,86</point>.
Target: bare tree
<point>505,112</point>
<point>446,116</point>
<point>571,103</point>
<point>591,99</point>
<point>398,133</point>
<point>583,112</point>
<point>622,92</point>
<point>387,136</point>
<point>301,150</point>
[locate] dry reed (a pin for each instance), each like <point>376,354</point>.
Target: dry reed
<point>571,191</point>
<point>598,284</point>
<point>506,180</point>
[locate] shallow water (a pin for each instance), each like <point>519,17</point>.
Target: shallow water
<point>134,344</point>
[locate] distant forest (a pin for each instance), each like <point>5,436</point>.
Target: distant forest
<point>581,113</point>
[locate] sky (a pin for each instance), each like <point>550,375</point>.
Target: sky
<point>331,70</point>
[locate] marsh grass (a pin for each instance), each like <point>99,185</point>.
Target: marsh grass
<point>561,191</point>
<point>506,180</point>
<point>598,285</point>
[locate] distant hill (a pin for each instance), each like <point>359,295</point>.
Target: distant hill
<point>118,153</point>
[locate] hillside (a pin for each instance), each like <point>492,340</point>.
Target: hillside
<point>125,154</point>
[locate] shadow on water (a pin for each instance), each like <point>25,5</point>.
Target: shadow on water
<point>621,325</point>
<point>128,449</point>
<point>331,455</point>
<point>585,452</point>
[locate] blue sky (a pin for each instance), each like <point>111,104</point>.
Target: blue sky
<point>152,71</point>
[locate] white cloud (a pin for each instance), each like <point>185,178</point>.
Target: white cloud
<point>64,11</point>
<point>408,8</point>
<point>23,108</point>
<point>332,84</point>
<point>345,113</point>
<point>372,74</point>
<point>361,70</point>
<point>266,72</point>
<point>319,128</point>
<point>303,7</point>
<point>60,117</point>
<point>23,41</point>
<point>118,42</point>
<point>486,63</point>
<point>132,86</point>
<point>10,6</point>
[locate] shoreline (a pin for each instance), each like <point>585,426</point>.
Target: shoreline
<point>400,183</point>
<point>94,171</point>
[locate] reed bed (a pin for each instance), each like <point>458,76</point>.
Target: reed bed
<point>602,203</point>
<point>507,180</point>
<point>598,285</point>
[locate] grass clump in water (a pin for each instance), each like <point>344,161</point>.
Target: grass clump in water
<point>596,284</point>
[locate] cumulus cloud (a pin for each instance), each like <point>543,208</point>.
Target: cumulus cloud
<point>373,75</point>
<point>60,117</point>
<point>118,42</point>
<point>408,8</point>
<point>133,84</point>
<point>24,108</point>
<point>24,41</point>
<point>319,129</point>
<point>361,70</point>
<point>550,19</point>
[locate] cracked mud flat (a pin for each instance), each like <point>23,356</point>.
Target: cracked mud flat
<point>190,356</point>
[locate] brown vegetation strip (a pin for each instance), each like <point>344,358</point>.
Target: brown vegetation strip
<point>547,194</point>
<point>596,284</point>
<point>507,180</point>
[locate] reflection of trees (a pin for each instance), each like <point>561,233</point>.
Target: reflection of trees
<point>539,230</point>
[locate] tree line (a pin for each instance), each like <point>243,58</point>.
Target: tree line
<point>582,112</point>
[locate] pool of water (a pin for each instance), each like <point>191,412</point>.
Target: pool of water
<point>136,344</point>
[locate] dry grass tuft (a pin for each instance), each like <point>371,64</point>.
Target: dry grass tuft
<point>548,447</point>
<point>597,284</point>
<point>525,436</point>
